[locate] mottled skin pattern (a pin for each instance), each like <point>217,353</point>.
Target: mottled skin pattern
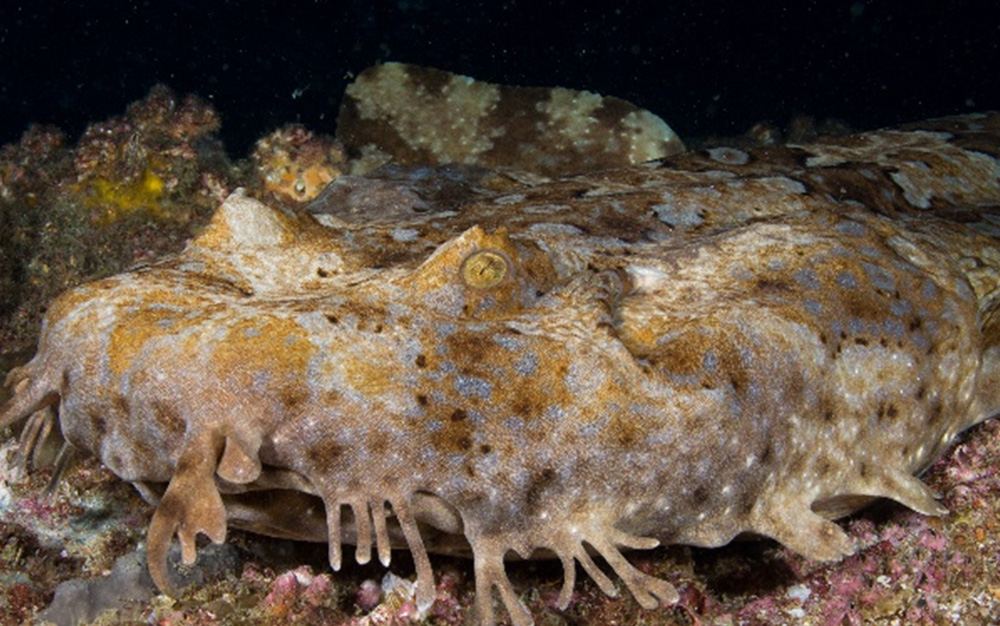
<point>424,116</point>
<point>728,342</point>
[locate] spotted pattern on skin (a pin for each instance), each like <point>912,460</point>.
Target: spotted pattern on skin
<point>413,114</point>
<point>677,352</point>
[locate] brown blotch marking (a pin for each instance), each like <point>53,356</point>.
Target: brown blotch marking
<point>861,341</point>
<point>167,417</point>
<point>292,396</point>
<point>369,315</point>
<point>333,319</point>
<point>920,392</point>
<point>891,411</point>
<point>765,455</point>
<point>474,348</point>
<point>98,423</point>
<point>330,398</point>
<point>485,448</point>
<point>730,361</point>
<point>685,356</point>
<point>324,457</point>
<point>421,361</point>
<point>863,470</point>
<point>700,497</point>
<point>379,445</point>
<point>935,414</point>
<point>621,226</point>
<point>523,406</point>
<point>456,432</point>
<point>627,432</point>
<point>823,467</point>
<point>143,450</point>
<point>421,399</point>
<point>547,388</point>
<point>536,488</point>
<point>121,404</point>
<point>860,303</point>
<point>773,285</point>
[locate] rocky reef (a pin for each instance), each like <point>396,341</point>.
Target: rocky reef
<point>137,186</point>
<point>131,189</point>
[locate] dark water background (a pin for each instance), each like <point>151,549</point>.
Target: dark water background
<point>706,67</point>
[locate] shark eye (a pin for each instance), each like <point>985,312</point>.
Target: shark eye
<point>484,269</point>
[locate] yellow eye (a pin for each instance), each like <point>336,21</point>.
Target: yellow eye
<point>484,269</point>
